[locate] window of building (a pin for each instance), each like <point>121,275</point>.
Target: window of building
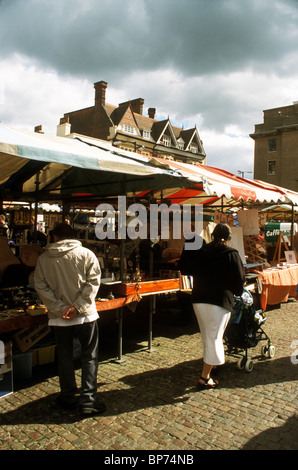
<point>166,141</point>
<point>181,145</point>
<point>129,129</point>
<point>272,145</point>
<point>193,148</point>
<point>271,167</point>
<point>146,134</point>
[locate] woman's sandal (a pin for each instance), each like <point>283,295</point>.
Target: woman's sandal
<point>206,385</point>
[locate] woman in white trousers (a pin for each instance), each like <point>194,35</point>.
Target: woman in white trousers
<point>218,275</point>
<point>213,321</point>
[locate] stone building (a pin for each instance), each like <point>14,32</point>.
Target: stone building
<point>276,147</point>
<point>127,127</point>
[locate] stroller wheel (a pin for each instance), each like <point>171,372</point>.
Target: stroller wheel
<point>244,363</point>
<point>268,351</point>
<point>249,365</point>
<point>241,363</point>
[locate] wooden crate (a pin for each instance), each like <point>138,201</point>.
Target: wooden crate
<point>27,337</point>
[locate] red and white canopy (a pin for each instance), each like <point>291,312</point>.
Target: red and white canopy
<point>208,185</point>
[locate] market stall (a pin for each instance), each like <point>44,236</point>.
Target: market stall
<point>249,205</point>
<point>278,284</point>
<point>81,172</point>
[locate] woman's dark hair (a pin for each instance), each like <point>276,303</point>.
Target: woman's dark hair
<point>221,233</point>
<point>63,231</point>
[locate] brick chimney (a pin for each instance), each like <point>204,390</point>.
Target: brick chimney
<point>151,112</point>
<point>100,93</point>
<point>64,127</point>
<point>137,105</point>
<point>38,129</point>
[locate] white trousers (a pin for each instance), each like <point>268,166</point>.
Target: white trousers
<point>212,321</point>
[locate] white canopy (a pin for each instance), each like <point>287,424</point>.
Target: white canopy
<point>83,163</point>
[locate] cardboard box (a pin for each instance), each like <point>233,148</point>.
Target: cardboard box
<point>43,355</point>
<point>145,287</point>
<point>25,339</point>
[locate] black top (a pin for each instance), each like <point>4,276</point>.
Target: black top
<point>218,275</point>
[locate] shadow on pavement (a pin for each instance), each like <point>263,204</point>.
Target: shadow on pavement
<point>278,438</point>
<point>159,387</point>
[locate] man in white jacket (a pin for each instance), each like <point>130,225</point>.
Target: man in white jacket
<point>67,279</point>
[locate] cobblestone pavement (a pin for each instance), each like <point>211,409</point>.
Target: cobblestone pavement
<point>151,399</point>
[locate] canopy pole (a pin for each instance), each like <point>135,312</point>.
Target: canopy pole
<point>63,211</point>
<point>122,244</point>
<point>292,226</point>
<point>36,206</point>
<point>66,207</point>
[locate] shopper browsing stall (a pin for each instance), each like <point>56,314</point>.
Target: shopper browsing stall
<point>67,278</point>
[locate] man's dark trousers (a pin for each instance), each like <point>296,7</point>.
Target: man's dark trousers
<point>87,334</point>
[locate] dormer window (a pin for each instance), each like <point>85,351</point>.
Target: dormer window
<point>166,140</point>
<point>146,134</point>
<point>129,129</point>
<point>193,148</point>
<point>180,145</point>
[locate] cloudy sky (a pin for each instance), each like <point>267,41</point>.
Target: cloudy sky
<point>216,64</point>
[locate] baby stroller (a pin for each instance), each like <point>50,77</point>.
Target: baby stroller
<point>244,331</point>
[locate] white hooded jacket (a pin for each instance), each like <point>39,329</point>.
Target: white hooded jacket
<point>68,274</point>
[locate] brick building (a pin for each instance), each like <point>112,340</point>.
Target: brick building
<point>276,147</point>
<point>127,127</point>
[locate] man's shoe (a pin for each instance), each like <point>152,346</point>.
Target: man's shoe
<point>93,409</point>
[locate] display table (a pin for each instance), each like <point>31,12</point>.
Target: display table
<point>147,287</point>
<point>19,322</point>
<point>135,291</point>
<point>131,293</point>
<point>278,284</point>
<point>11,322</point>
<point>115,303</point>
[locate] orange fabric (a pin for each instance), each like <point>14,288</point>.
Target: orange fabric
<point>278,285</point>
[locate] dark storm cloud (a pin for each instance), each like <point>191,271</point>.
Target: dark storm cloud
<point>196,37</point>
<point>212,63</point>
